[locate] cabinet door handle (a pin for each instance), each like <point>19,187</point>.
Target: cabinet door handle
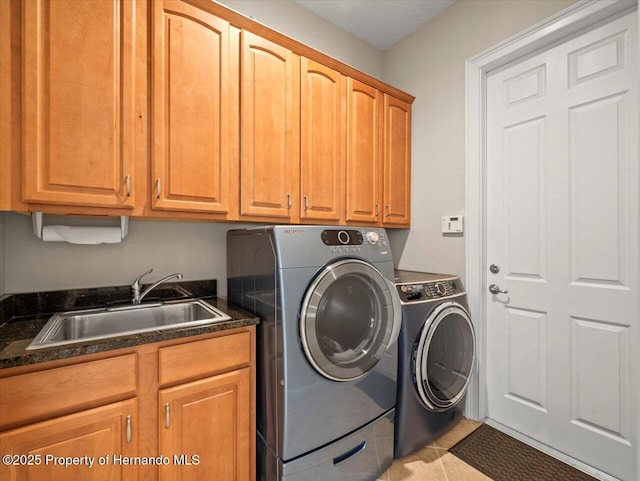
<point>127,183</point>
<point>388,207</point>
<point>377,210</point>
<point>289,201</point>
<point>158,188</point>
<point>167,416</point>
<point>306,202</point>
<point>129,429</point>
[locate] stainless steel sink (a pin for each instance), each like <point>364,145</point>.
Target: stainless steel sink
<point>93,324</point>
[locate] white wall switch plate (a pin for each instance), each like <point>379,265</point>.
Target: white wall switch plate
<point>452,224</point>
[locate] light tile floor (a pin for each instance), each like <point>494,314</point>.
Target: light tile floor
<point>434,462</point>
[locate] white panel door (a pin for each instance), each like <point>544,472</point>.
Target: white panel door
<point>563,181</point>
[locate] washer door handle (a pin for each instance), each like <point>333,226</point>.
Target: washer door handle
<point>397,311</point>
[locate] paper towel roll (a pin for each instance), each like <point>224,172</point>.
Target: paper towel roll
<point>81,235</point>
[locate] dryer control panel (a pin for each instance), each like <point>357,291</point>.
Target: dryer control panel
<point>426,291</point>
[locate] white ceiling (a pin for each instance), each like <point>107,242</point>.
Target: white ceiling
<point>380,23</point>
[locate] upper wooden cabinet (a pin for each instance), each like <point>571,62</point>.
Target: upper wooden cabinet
<point>364,152</point>
<point>322,142</point>
<point>270,125</point>
<point>378,157</point>
<point>78,98</point>
<point>195,110</point>
<point>185,109</point>
<point>396,181</point>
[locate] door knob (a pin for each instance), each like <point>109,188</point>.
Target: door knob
<point>495,289</point>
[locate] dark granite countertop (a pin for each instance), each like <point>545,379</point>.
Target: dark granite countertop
<point>23,315</point>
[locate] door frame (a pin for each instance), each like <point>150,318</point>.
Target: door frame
<point>556,28</point>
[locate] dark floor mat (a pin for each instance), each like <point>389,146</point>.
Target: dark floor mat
<point>504,458</point>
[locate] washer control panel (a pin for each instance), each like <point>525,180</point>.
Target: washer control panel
<point>425,291</point>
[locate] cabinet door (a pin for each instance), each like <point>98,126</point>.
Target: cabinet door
<point>322,140</point>
<point>364,152</point>
<point>195,110</point>
<point>208,423</point>
<point>397,162</point>
<point>78,90</point>
<point>110,430</point>
<point>270,126</point>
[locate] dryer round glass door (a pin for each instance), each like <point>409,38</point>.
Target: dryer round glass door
<point>444,356</point>
<point>350,315</point>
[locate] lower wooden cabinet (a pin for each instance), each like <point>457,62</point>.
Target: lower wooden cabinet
<point>203,428</point>
<point>89,445</point>
<point>149,422</point>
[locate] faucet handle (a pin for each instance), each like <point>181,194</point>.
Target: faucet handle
<point>136,284</point>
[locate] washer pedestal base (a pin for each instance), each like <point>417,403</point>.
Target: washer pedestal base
<point>360,456</point>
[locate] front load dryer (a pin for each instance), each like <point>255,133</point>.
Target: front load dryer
<point>326,348</point>
<point>436,358</point>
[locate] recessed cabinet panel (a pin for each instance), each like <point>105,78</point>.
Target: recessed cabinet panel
<point>211,419</point>
<point>78,87</point>
<point>364,152</point>
<point>110,430</point>
<point>270,89</point>
<point>397,162</point>
<point>322,130</point>
<point>195,105</point>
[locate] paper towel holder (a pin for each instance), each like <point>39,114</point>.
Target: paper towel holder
<point>37,220</point>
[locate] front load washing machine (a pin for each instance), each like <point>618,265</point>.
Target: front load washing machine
<point>436,358</point>
<point>327,355</point>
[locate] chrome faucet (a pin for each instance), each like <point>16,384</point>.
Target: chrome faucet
<point>136,287</point>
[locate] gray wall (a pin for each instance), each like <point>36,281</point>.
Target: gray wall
<point>197,249</point>
<point>297,22</point>
<point>430,64</point>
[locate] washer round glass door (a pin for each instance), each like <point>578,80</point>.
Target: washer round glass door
<point>444,356</point>
<point>350,315</point>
